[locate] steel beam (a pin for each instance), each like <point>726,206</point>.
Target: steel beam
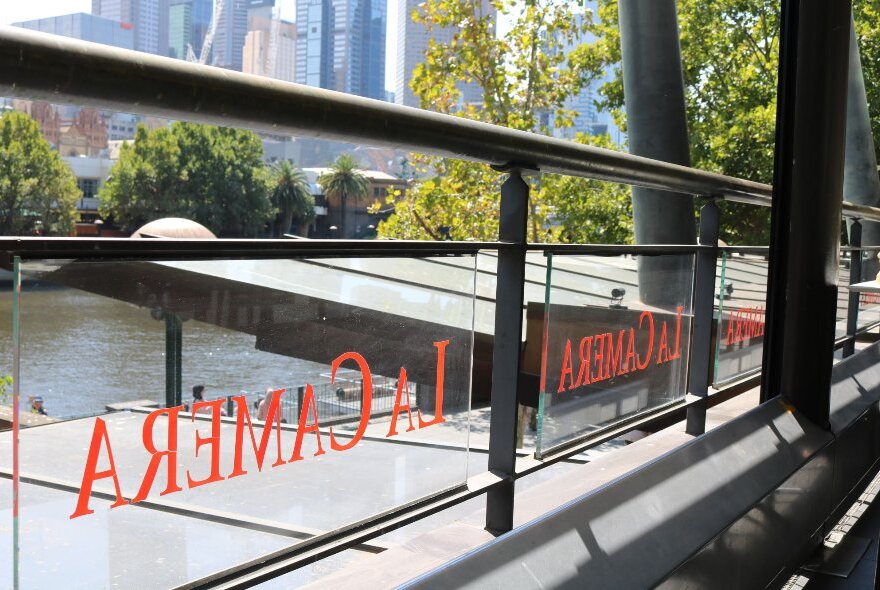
<point>657,128</point>
<point>805,219</point>
<point>855,276</point>
<point>506,353</point>
<point>173,360</point>
<point>861,184</point>
<point>699,365</point>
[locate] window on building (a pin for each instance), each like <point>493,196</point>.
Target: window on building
<point>88,186</point>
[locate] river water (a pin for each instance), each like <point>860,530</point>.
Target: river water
<point>82,351</point>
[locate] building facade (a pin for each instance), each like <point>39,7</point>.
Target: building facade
<point>412,43</point>
<point>87,27</point>
<point>341,45</point>
<point>188,23</point>
<point>229,37</point>
<point>270,48</point>
<point>148,19</point>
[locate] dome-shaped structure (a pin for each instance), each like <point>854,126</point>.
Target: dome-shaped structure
<point>174,227</point>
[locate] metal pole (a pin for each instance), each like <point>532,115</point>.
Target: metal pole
<point>805,219</point>
<point>657,128</point>
<point>855,276</point>
<point>173,360</point>
<point>506,353</point>
<point>861,184</point>
<point>700,364</point>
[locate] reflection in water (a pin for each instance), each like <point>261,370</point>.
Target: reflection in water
<point>82,351</point>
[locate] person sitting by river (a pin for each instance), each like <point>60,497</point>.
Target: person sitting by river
<point>37,406</point>
<point>199,396</point>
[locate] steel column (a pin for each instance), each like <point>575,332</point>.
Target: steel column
<point>173,360</point>
<point>656,128</point>
<point>700,366</point>
<point>855,276</point>
<point>506,353</point>
<point>805,219</point>
<point>861,184</point>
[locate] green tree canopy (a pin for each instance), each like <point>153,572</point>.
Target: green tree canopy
<point>35,184</point>
<point>344,181</point>
<point>291,197</point>
<point>212,175</point>
<point>729,54</point>
<point>524,77</point>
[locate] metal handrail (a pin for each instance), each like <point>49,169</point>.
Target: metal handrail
<point>59,69</point>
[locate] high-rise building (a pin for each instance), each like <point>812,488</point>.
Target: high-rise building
<point>87,27</point>
<point>148,18</point>
<point>270,48</point>
<point>412,43</point>
<point>229,36</point>
<point>341,45</point>
<point>188,22</point>
<point>258,9</point>
<point>588,118</point>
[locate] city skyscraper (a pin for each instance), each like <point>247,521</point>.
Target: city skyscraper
<point>149,19</point>
<point>188,22</point>
<point>87,27</point>
<point>229,36</point>
<point>589,119</point>
<point>341,45</point>
<point>269,48</point>
<point>412,43</point>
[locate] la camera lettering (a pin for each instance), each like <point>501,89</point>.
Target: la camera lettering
<point>744,324</point>
<point>264,447</point>
<point>598,357</point>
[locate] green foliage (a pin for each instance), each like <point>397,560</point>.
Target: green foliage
<point>291,198</point>
<point>5,384</point>
<point>344,182</point>
<point>867,17</point>
<point>730,58</point>
<point>212,175</point>
<point>35,184</point>
<point>525,79</point>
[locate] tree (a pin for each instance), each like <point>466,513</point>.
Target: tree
<point>344,181</point>
<point>37,189</point>
<point>525,78</point>
<point>292,198</point>
<point>730,61</point>
<point>212,175</point>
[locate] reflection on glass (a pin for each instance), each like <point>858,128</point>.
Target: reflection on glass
<point>740,296</point>
<point>607,355</point>
<point>304,394</point>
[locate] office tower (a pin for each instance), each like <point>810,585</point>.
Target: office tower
<point>259,9</point>
<point>589,119</point>
<point>412,43</point>
<point>148,18</point>
<point>188,22</point>
<point>229,36</point>
<point>341,45</point>
<point>84,26</point>
<point>269,48</point>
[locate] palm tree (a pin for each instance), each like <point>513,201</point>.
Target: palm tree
<point>291,197</point>
<point>344,181</point>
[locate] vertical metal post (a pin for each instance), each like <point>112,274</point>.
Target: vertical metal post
<point>506,353</point>
<point>700,367</point>
<point>855,276</point>
<point>656,122</point>
<point>807,191</point>
<point>300,392</point>
<point>861,184</point>
<point>173,360</point>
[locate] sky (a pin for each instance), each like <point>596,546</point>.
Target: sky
<point>12,11</point>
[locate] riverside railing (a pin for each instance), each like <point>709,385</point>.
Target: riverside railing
<point>55,69</point>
